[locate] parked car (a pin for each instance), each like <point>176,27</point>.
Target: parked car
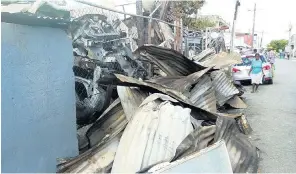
<point>240,72</point>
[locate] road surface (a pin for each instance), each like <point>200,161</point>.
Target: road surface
<point>272,116</point>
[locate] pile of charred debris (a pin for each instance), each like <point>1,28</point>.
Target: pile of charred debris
<point>150,108</point>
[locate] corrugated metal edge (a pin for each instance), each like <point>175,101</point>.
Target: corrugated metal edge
<point>180,83</point>
<point>220,145</point>
<point>112,121</point>
<point>175,94</point>
<point>243,155</point>
<point>203,94</point>
<point>205,54</point>
<point>236,102</point>
<point>223,86</point>
<point>198,139</point>
<point>170,61</point>
<point>130,98</point>
<point>97,159</point>
<point>152,135</point>
<point>129,81</point>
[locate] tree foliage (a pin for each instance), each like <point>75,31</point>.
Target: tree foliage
<point>200,23</point>
<point>187,9</point>
<point>278,44</point>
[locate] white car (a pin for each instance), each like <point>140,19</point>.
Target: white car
<point>240,72</point>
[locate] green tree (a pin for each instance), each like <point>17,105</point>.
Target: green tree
<point>200,23</point>
<point>187,9</point>
<point>278,44</point>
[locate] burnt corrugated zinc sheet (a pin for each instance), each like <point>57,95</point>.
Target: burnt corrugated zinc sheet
<point>169,61</point>
<point>243,155</point>
<point>197,87</point>
<point>103,136</point>
<point>112,121</point>
<point>154,133</point>
<point>203,94</point>
<point>223,86</point>
<point>153,87</point>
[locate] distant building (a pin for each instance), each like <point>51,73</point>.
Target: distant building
<point>243,39</point>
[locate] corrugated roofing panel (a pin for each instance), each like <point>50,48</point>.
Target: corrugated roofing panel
<point>149,86</point>
<point>153,135</point>
<point>169,61</point>
<point>223,86</point>
<point>111,122</point>
<point>243,155</point>
<point>195,141</point>
<point>98,161</point>
<point>130,98</point>
<point>203,94</point>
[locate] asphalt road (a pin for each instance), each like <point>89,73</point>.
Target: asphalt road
<point>272,116</point>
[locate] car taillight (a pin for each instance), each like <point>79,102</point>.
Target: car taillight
<point>266,67</point>
<point>235,70</point>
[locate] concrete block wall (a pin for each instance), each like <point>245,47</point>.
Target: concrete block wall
<point>38,98</point>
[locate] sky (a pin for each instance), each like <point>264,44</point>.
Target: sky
<point>273,16</point>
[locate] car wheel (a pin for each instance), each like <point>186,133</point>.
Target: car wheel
<point>270,81</point>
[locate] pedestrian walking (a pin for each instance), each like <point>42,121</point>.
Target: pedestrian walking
<point>255,51</point>
<point>281,53</point>
<point>256,72</point>
<point>271,58</point>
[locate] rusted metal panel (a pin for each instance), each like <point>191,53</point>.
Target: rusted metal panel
<point>223,86</point>
<point>243,155</point>
<point>153,134</point>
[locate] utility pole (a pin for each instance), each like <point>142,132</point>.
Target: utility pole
<point>290,30</point>
<point>261,39</point>
<point>253,29</point>
<point>237,4</point>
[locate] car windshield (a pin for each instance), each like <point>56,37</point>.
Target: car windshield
<point>247,61</point>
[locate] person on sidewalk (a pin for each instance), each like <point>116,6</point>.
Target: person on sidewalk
<point>256,72</point>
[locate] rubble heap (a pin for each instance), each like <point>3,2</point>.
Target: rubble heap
<point>150,108</point>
